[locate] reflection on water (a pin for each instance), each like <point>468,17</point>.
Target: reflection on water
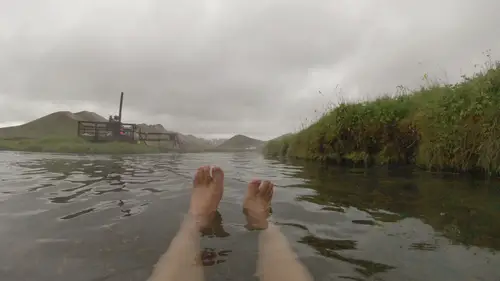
<point>65,217</point>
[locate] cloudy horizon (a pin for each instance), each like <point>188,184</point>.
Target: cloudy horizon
<point>216,68</point>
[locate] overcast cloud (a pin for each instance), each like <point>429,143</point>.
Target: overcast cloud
<point>220,67</point>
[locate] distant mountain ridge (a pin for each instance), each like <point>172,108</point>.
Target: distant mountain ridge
<point>60,123</point>
<point>188,142</point>
<point>241,142</point>
<point>217,142</point>
<point>64,124</point>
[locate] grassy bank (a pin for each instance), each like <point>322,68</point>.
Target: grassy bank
<point>73,145</point>
<point>443,127</point>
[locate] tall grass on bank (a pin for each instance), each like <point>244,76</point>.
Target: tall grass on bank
<point>440,127</point>
<point>74,145</point>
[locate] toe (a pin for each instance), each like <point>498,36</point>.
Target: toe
<point>270,192</point>
<point>266,190</point>
<point>253,187</point>
<point>199,176</point>
<point>206,175</point>
<point>218,175</point>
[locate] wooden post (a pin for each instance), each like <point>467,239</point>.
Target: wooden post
<point>120,110</point>
<point>96,136</point>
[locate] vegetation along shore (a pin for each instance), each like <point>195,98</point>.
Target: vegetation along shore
<point>454,127</point>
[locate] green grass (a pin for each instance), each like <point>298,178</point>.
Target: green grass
<point>74,145</point>
<point>439,127</point>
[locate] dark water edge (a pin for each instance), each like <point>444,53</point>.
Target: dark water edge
<point>67,217</point>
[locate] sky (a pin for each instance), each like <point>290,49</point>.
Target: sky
<point>215,68</point>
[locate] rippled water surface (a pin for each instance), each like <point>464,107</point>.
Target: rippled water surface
<point>66,217</point>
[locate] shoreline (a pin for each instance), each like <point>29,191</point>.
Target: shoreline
<point>73,145</point>
<point>474,174</point>
<point>77,145</point>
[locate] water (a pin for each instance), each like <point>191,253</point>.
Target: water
<point>66,217</point>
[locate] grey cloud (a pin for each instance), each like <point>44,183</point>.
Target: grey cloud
<point>222,67</point>
<point>443,41</point>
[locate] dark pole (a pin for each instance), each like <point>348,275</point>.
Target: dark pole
<point>120,112</point>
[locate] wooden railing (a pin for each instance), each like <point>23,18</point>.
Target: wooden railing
<point>115,131</point>
<point>106,131</point>
<point>160,137</point>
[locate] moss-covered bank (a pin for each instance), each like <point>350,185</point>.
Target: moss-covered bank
<point>74,145</point>
<point>446,127</point>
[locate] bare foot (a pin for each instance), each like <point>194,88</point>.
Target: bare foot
<point>216,228</point>
<point>257,204</point>
<point>206,195</point>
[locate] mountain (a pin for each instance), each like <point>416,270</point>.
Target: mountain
<point>216,142</point>
<point>61,123</point>
<point>157,128</point>
<point>241,142</point>
<point>89,116</point>
<point>65,123</point>
<point>187,142</point>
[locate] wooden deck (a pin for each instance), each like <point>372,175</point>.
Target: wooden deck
<point>128,132</point>
<point>106,131</point>
<point>172,138</point>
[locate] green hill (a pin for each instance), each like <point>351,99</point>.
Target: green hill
<point>241,142</point>
<point>60,124</point>
<point>89,116</point>
<point>57,132</point>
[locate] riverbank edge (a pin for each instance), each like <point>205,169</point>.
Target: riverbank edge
<point>74,145</point>
<point>80,146</point>
<point>448,128</point>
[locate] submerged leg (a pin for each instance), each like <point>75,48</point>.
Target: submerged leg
<point>181,261</point>
<point>277,261</point>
